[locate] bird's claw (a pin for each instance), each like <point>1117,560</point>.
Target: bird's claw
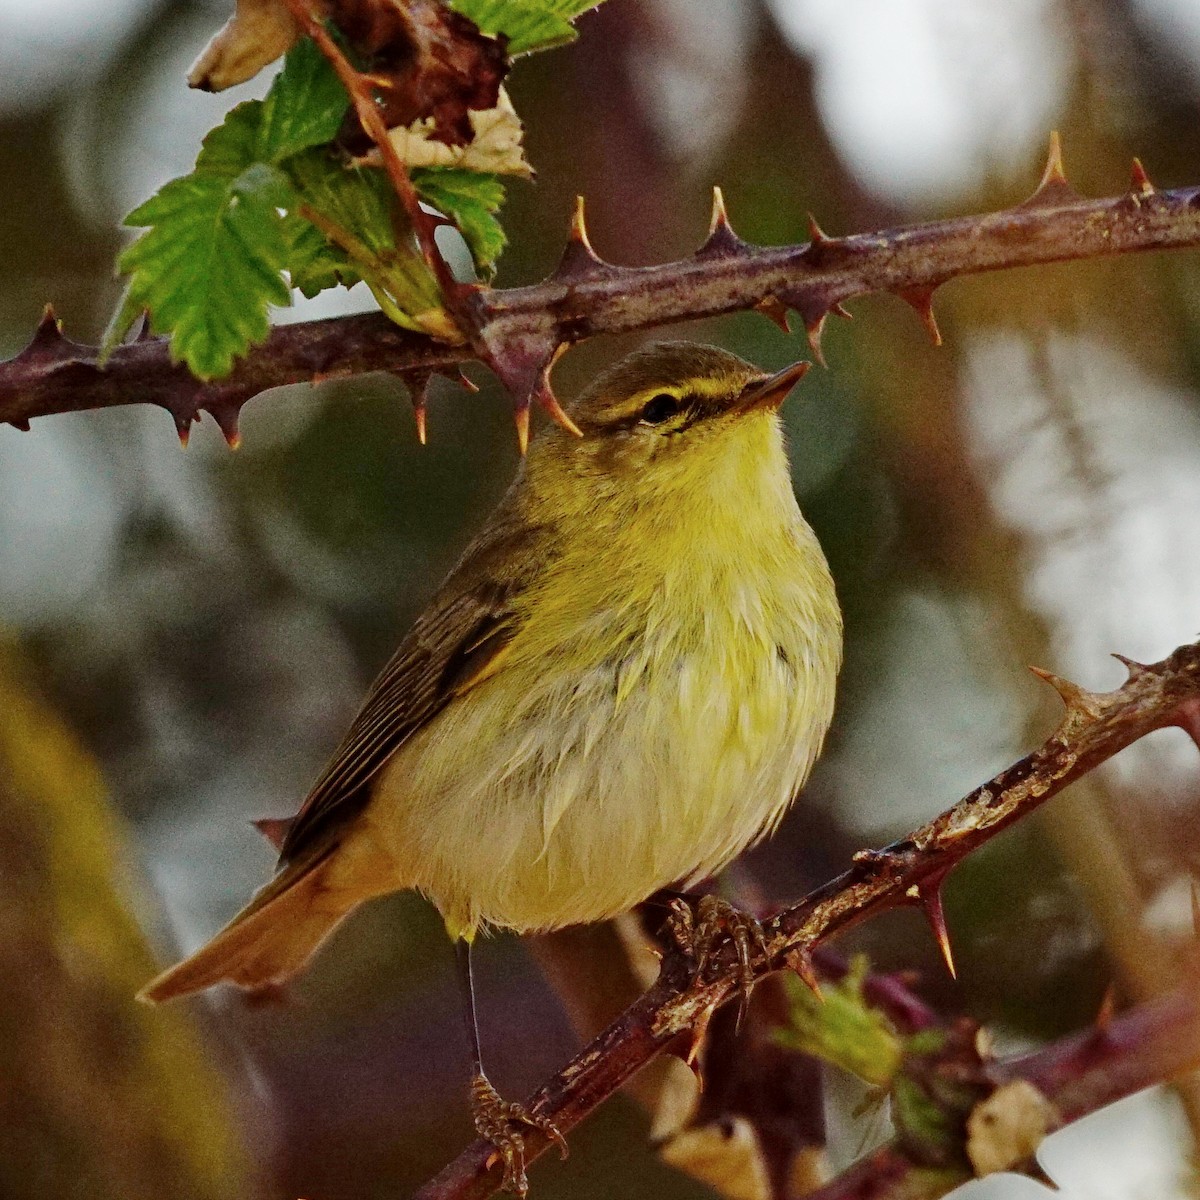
<point>699,935</point>
<point>499,1121</point>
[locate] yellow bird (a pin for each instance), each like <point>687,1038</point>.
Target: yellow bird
<point>621,686</point>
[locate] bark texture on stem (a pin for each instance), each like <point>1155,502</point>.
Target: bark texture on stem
<point>518,332</point>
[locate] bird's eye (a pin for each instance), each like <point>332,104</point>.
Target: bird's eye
<point>659,409</point>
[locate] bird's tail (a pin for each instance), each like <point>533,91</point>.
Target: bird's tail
<point>270,940</point>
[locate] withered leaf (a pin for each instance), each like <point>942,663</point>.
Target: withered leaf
<point>257,34</point>
<point>496,147</point>
<point>426,62</point>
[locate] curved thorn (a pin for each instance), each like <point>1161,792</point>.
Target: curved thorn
<point>929,897</point>
<point>419,414</point>
<point>578,257</point>
<point>521,418</point>
<point>775,311</point>
<point>469,384</point>
<point>1073,696</point>
<point>814,327</point>
<point>720,216</point>
<point>1053,187</point>
<point>1131,665</point>
<point>816,234</point>
<point>699,1031</point>
<point>227,420</point>
<point>721,237</point>
<point>801,962</point>
<point>1139,181</point>
<point>1054,172</point>
<point>920,299</point>
<point>544,392</point>
<point>840,310</point>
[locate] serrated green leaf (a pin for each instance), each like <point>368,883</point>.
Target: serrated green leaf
<point>219,239</point>
<point>470,200</point>
<point>209,266</point>
<point>313,264</point>
<point>304,107</point>
<point>528,24</point>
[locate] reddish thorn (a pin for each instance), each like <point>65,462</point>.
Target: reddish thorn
<point>801,962</point>
<point>774,310</point>
<point>1073,696</point>
<point>1053,187</point>
<point>419,413</point>
<point>921,301</point>
<point>183,427</point>
<point>699,1030</point>
<point>1053,173</point>
<point>815,327</point>
<point>721,238</point>
<point>1131,665</point>
<point>274,829</point>
<point>840,310</point>
<point>720,215</point>
<point>521,417</point>
<point>1107,1010</point>
<point>578,257</point>
<point>470,384</point>
<point>21,423</point>
<point>546,397</point>
<point>929,897</point>
<point>816,234</point>
<point>227,419</point>
<point>46,336</point>
<point>1139,181</point>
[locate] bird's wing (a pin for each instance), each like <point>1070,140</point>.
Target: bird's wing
<point>458,641</point>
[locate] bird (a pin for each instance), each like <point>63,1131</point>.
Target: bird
<point>622,685</point>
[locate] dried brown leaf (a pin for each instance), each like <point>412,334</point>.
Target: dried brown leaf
<point>426,63</point>
<point>257,34</point>
<point>725,1155</point>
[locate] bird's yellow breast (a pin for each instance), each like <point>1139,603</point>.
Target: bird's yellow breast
<point>659,708</point>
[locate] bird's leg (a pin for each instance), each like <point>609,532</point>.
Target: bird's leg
<point>497,1120</point>
<point>700,934</point>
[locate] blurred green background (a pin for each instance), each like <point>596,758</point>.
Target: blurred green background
<point>206,622</point>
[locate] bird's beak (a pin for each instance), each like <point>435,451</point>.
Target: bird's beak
<point>772,391</point>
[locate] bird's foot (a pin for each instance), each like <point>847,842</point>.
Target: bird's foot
<point>699,935</point>
<point>499,1121</point>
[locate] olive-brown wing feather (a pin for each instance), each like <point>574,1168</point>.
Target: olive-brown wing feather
<point>457,641</point>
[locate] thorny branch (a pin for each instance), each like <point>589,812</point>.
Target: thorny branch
<point>519,332</point>
<point>910,871</point>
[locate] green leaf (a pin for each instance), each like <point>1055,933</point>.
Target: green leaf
<point>355,208</point>
<point>209,266</point>
<point>219,239</point>
<point>528,24</point>
<point>305,106</point>
<point>313,263</point>
<point>470,200</point>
